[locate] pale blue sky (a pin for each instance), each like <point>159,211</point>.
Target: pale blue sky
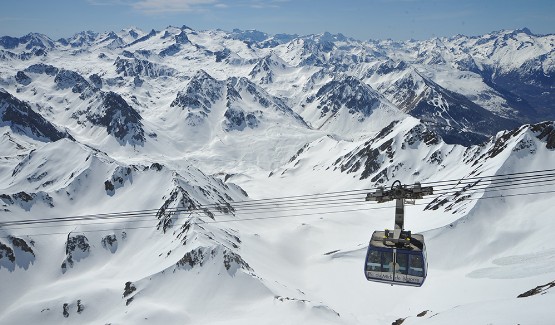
<point>361,19</point>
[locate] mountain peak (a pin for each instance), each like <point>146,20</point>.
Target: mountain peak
<point>524,30</point>
<point>202,74</point>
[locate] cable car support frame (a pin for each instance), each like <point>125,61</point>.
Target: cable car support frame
<point>399,243</point>
<point>401,194</point>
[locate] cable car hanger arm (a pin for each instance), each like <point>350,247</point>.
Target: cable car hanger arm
<point>399,193</point>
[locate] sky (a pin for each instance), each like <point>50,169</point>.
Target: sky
<point>360,19</point>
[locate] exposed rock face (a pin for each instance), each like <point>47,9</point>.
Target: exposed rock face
<point>119,177</point>
<point>199,256</point>
<point>378,160</point>
<point>546,132</point>
<point>22,119</point>
<point>6,255</point>
<point>118,117</point>
<point>22,78</point>
<point>178,201</point>
<point>236,119</point>
<point>139,67</point>
<point>71,79</point>
<point>201,93</point>
<point>348,92</point>
<point>77,306</point>
<point>127,291</point>
<point>19,254</point>
<point>181,38</point>
<point>96,80</point>
<point>77,248</point>
<point>42,68</point>
<point>110,242</point>
<point>27,200</point>
<point>263,71</point>
<point>537,290</point>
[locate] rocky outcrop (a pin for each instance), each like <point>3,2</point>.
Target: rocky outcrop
<point>22,119</point>
<point>77,247</point>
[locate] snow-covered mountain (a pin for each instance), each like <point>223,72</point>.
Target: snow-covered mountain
<point>162,146</point>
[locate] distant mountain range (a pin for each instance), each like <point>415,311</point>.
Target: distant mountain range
<point>466,88</point>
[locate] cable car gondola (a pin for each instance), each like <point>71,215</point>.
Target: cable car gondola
<point>396,264</point>
<point>397,257</point>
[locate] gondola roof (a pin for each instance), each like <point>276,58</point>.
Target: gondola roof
<point>377,241</point>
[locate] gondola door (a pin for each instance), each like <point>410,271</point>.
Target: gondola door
<point>400,269</point>
<point>388,265</point>
<point>379,265</point>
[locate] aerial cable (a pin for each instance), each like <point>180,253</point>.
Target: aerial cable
<point>361,191</point>
<point>484,186</point>
<point>302,198</point>
<point>276,217</point>
<point>242,211</point>
<point>457,181</point>
<point>314,213</point>
<point>328,205</point>
<point>287,209</point>
<point>503,180</point>
<point>279,203</point>
<point>206,222</point>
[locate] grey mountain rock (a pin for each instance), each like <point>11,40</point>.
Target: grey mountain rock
<point>118,117</point>
<point>22,119</point>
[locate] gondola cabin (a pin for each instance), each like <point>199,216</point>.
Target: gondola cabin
<point>401,263</point>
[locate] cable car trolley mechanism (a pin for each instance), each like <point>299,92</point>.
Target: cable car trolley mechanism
<point>397,257</point>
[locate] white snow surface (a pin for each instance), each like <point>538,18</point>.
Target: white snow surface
<point>284,264</point>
